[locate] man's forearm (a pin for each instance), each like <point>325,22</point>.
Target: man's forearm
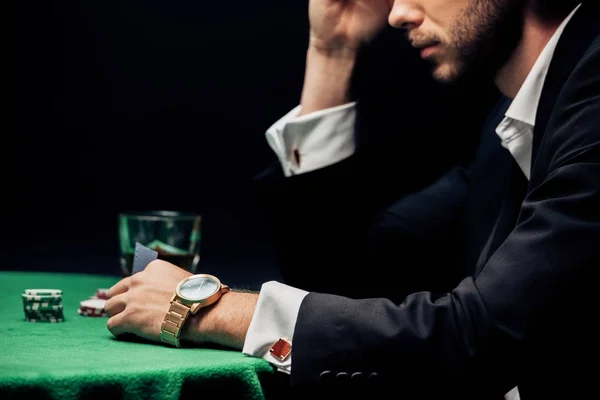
<point>327,79</point>
<point>224,323</point>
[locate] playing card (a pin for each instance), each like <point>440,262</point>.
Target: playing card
<point>142,257</point>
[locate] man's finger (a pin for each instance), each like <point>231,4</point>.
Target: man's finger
<point>120,287</point>
<point>117,324</point>
<point>115,305</point>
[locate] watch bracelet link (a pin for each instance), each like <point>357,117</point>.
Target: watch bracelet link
<point>173,323</point>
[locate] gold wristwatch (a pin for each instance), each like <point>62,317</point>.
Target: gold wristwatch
<point>191,294</point>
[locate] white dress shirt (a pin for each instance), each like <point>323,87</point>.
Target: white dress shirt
<point>326,137</point>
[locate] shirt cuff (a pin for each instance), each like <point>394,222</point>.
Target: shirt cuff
<point>314,140</point>
<point>274,317</point>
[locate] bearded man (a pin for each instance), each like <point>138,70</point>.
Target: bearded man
<point>520,322</point>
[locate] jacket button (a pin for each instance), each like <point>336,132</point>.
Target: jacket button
<point>357,377</point>
<point>326,377</point>
<point>373,377</point>
<point>342,377</point>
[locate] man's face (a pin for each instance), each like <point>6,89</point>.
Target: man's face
<point>459,36</point>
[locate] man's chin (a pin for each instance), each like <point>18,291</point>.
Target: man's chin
<point>445,72</point>
<point>461,74</point>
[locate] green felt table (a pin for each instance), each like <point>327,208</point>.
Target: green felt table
<point>79,358</point>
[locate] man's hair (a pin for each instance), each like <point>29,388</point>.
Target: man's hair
<point>555,9</point>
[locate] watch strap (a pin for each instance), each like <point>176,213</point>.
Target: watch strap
<point>173,323</point>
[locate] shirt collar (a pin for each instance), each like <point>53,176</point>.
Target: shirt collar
<point>524,106</point>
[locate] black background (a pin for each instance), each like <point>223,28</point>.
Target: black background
<point>132,105</point>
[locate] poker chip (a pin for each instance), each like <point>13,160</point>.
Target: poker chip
<point>93,304</point>
<point>43,292</point>
<point>43,305</point>
<point>88,313</point>
<point>92,308</point>
<point>51,320</point>
<point>42,298</point>
<point>102,294</point>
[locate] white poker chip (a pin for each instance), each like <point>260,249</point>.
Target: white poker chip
<point>31,297</point>
<point>93,304</point>
<point>43,292</point>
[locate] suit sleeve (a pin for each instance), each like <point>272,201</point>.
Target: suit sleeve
<point>339,218</point>
<point>533,293</point>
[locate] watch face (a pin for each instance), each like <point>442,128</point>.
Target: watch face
<point>198,288</point>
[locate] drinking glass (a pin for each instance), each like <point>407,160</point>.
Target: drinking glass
<point>174,235</point>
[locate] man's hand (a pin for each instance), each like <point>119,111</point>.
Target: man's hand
<point>138,304</point>
<point>340,25</point>
<point>338,29</point>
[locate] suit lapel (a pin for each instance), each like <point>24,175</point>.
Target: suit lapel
<point>575,40</point>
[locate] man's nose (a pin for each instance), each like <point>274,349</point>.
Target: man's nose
<point>405,15</point>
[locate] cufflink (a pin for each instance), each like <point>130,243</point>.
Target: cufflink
<point>297,158</point>
<point>281,349</point>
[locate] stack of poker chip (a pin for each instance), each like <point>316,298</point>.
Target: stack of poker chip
<point>43,305</point>
<point>92,308</point>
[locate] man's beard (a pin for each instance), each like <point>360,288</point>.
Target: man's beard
<point>484,38</point>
